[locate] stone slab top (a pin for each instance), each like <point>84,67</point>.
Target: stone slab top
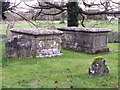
<point>34,31</point>
<point>83,29</point>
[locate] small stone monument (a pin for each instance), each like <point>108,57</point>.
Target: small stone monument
<point>98,67</point>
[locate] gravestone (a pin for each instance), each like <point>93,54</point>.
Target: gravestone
<point>29,43</point>
<point>98,68</point>
<point>88,40</point>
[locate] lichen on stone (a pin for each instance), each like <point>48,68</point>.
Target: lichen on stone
<point>98,67</point>
<point>96,59</point>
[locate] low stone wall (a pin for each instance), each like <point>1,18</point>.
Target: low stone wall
<point>88,40</point>
<point>29,43</point>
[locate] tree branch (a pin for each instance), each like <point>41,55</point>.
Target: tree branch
<point>56,5</point>
<point>38,14</point>
<point>40,6</point>
<point>23,18</point>
<point>53,13</point>
<point>15,5</point>
<point>115,2</point>
<point>99,12</point>
<point>89,5</point>
<point>82,22</point>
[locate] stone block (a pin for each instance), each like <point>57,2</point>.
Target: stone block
<point>18,48</point>
<point>28,43</point>
<point>88,40</point>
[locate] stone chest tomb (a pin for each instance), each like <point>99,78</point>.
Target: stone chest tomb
<point>29,43</point>
<point>88,40</point>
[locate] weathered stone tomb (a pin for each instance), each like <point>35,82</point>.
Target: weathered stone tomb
<point>29,43</point>
<point>88,40</point>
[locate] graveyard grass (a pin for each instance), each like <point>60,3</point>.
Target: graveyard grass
<point>97,24</point>
<point>68,71</point>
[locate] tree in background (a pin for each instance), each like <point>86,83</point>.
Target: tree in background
<point>73,11</point>
<point>72,8</point>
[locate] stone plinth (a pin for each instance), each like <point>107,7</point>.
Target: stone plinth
<point>88,40</point>
<point>29,43</point>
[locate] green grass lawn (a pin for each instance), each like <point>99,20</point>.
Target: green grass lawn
<point>103,24</point>
<point>98,24</point>
<point>53,72</point>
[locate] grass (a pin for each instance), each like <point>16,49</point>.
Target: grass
<point>55,72</point>
<point>24,24</point>
<point>98,24</point>
<point>103,24</point>
<point>69,71</point>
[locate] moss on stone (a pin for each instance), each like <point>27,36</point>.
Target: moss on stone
<point>96,59</point>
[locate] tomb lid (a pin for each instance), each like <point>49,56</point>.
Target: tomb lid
<point>82,29</point>
<point>34,31</point>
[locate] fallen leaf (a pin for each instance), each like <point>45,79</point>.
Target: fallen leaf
<point>70,76</point>
<point>38,80</point>
<point>23,80</point>
<point>56,81</point>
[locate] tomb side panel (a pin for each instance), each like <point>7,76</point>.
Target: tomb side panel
<point>100,42</point>
<point>19,47</point>
<point>68,39</point>
<point>84,42</point>
<point>48,46</point>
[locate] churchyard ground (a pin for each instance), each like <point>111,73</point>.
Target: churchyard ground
<point>68,71</point>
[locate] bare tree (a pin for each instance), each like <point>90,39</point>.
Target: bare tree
<point>72,8</point>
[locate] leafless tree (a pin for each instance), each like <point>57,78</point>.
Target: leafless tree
<point>72,7</point>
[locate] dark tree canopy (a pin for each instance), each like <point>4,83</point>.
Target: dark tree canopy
<point>72,8</point>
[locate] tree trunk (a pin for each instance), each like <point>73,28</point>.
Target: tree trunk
<point>73,12</point>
